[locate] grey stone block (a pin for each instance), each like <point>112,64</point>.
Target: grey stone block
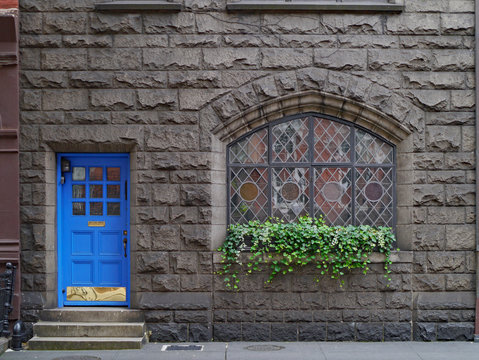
<point>340,332</point>
<point>65,99</point>
<point>312,332</point>
<point>166,283</point>
<point>455,331</point>
<point>340,59</point>
<point>424,332</point>
<point>93,41</point>
<point>41,79</point>
<point>227,332</point>
<point>415,24</point>
<point>88,79</point>
<point>256,332</point>
<point>168,332</point>
<point>115,23</point>
<point>175,301</point>
<point>219,23</point>
<point>183,22</point>
<point>65,23</point>
<point>40,41</point>
<point>200,332</point>
<point>284,332</point>
<point>112,99</point>
<point>350,24</point>
<point>158,316</point>
<point>160,99</point>
<point>369,332</point>
<point>286,58</point>
<point>174,59</point>
<point>397,332</point>
<point>226,58</point>
<point>153,262</point>
<point>114,59</point>
<point>192,316</point>
<point>446,300</point>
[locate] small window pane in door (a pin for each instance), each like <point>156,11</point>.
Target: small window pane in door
<point>96,208</point>
<point>78,208</point>
<point>78,191</point>
<point>113,208</point>
<point>113,173</point>
<point>96,174</point>
<point>96,191</point>
<point>78,174</point>
<point>113,191</point>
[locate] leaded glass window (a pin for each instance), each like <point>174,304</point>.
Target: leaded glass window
<point>312,164</point>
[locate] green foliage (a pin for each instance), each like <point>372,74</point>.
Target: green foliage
<point>286,246</point>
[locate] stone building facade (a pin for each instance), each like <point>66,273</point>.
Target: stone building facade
<point>174,88</point>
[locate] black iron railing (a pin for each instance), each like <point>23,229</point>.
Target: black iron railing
<point>7,284</point>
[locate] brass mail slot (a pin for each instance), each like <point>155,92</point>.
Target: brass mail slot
<point>96,223</point>
<point>85,293</point>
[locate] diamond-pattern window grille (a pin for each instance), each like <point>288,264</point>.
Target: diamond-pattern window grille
<point>331,141</point>
<point>371,150</point>
<point>332,195</point>
<point>314,165</point>
<point>251,150</point>
<point>288,207</point>
<point>243,210</point>
<point>374,196</point>
<point>290,141</point>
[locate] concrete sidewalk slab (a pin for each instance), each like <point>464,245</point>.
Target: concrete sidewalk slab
<point>273,351</point>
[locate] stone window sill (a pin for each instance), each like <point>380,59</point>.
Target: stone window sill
<point>313,5</point>
<point>138,5</point>
<point>402,257</point>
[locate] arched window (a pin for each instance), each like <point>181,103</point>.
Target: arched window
<point>312,164</point>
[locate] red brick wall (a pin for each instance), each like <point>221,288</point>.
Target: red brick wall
<point>8,4</point>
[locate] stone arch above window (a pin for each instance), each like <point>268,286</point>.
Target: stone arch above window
<point>314,101</point>
<point>312,164</point>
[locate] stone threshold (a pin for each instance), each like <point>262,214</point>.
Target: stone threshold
<point>312,5</point>
<point>402,257</point>
<point>139,5</point>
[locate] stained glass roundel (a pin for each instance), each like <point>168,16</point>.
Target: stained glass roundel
<point>290,191</point>
<point>249,191</point>
<point>332,191</point>
<point>312,164</point>
<point>373,191</point>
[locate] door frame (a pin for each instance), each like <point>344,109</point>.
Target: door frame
<point>59,224</point>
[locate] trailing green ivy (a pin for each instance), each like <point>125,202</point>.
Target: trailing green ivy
<point>286,246</point>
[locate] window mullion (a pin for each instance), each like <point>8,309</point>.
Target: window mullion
<point>353,174</point>
<point>269,185</point>
<point>311,170</point>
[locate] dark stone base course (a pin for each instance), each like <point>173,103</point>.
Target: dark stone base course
<point>393,331</point>
<point>444,331</point>
<point>316,332</point>
<point>172,332</point>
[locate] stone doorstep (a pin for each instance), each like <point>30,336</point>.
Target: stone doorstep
<point>92,314</point>
<point>89,328</point>
<point>85,343</point>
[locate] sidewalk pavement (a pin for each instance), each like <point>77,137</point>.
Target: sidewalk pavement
<point>272,350</point>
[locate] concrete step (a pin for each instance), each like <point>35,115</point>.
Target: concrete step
<point>85,343</point>
<point>92,314</point>
<point>88,329</point>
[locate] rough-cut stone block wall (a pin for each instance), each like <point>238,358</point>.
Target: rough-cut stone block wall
<point>160,85</point>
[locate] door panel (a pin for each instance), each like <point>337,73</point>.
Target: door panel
<point>93,234</point>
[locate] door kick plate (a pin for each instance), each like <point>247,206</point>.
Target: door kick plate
<point>96,223</point>
<point>85,293</point>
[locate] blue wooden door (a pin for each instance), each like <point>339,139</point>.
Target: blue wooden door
<point>93,229</point>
